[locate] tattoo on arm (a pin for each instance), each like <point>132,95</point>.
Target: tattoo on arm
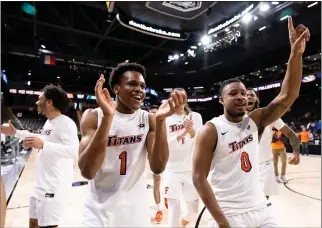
<point>272,112</point>
<point>294,141</point>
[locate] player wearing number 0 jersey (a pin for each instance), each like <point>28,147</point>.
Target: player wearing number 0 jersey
<point>227,147</point>
<point>113,151</point>
<point>182,127</point>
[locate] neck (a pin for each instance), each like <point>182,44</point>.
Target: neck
<point>180,112</point>
<point>121,108</point>
<point>52,115</point>
<point>234,119</point>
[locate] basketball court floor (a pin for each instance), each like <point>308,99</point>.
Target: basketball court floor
<point>297,205</point>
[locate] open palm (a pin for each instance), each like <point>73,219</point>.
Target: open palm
<point>170,106</point>
<point>103,98</point>
<point>9,130</point>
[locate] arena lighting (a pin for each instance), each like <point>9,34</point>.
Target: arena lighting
<point>247,18</point>
<point>80,96</point>
<point>193,47</point>
<point>224,40</point>
<point>176,56</point>
<point>226,29</point>
<point>43,46</point>
<point>58,77</point>
<point>205,40</point>
<point>262,28</point>
<point>313,4</point>
<point>198,87</point>
<point>283,18</point>
<point>28,83</point>
<point>191,53</point>
<point>264,7</point>
<point>275,3</point>
<point>232,20</point>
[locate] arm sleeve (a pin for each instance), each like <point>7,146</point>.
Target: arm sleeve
<point>24,134</point>
<point>68,147</point>
<point>278,124</point>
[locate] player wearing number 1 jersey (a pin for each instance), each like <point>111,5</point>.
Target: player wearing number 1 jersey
<point>227,146</point>
<point>113,151</point>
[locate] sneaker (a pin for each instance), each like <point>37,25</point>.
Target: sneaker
<point>158,216</point>
<point>278,179</point>
<point>284,180</point>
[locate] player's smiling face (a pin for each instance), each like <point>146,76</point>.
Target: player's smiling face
<point>234,99</point>
<point>131,90</point>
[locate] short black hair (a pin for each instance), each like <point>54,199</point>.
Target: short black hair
<point>121,68</point>
<point>227,82</point>
<point>58,96</point>
<point>257,95</point>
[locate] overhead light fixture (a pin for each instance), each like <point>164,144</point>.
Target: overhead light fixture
<point>191,53</point>
<point>186,63</point>
<point>199,44</point>
<point>247,18</point>
<point>181,55</point>
<point>198,87</point>
<point>169,60</point>
<point>255,18</point>
<point>58,77</point>
<point>236,25</point>
<point>28,83</point>
<point>176,56</point>
<point>215,35</point>
<point>262,28</point>
<point>313,4</point>
<point>264,7</point>
<point>205,40</point>
<point>275,3</point>
<point>43,46</point>
<point>4,71</point>
<point>127,61</point>
<point>226,29</point>
<point>283,18</point>
<point>29,73</point>
<point>193,47</point>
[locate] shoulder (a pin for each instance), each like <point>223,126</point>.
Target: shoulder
<point>207,135</point>
<point>67,121</point>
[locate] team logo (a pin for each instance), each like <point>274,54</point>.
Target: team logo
<point>176,127</point>
<point>234,146</point>
<point>141,125</point>
<point>125,140</point>
<point>46,131</point>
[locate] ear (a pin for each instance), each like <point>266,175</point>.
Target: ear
<point>221,101</point>
<point>116,89</point>
<point>50,102</point>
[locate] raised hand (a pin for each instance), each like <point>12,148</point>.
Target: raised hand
<point>170,106</point>
<point>298,37</point>
<point>9,130</point>
<point>188,123</point>
<point>103,98</point>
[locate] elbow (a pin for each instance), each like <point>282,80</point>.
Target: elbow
<point>157,170</point>
<point>196,180</point>
<point>86,172</point>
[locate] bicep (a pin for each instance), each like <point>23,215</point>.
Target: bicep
<point>151,134</point>
<point>267,115</point>
<point>88,127</point>
<point>205,145</point>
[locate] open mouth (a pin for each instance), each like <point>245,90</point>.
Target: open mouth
<point>137,98</point>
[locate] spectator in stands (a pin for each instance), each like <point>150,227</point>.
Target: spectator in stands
<point>57,146</point>
<point>304,137</point>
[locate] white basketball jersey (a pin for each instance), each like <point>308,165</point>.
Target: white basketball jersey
<point>234,174</point>
<point>118,195</point>
<point>180,153</point>
<point>265,148</point>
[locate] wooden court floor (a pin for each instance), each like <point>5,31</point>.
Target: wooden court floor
<point>297,205</point>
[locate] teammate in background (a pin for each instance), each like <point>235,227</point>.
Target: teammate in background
<point>266,167</point>
<point>3,203</point>
<point>228,147</point>
<point>57,146</point>
<point>182,127</point>
<point>114,148</point>
<point>156,180</point>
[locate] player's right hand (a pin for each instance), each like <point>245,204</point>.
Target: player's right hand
<point>298,37</point>
<point>9,130</point>
<point>103,98</point>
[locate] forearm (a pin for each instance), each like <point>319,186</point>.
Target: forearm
<point>192,133</point>
<point>208,198</point>
<point>63,150</point>
<point>294,141</point>
<point>292,82</point>
<point>181,136</point>
<point>24,134</point>
<point>160,150</point>
<point>92,157</point>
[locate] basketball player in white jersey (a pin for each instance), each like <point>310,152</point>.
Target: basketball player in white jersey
<point>114,148</point>
<point>227,146</point>
<point>57,146</point>
<point>266,166</point>
<point>156,181</point>
<point>182,127</point>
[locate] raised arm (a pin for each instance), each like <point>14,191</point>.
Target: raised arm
<point>205,145</point>
<point>292,81</point>
<point>295,143</point>
<point>157,142</point>
<point>93,144</point>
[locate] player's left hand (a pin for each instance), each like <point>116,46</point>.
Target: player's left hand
<point>188,123</point>
<point>294,159</point>
<point>170,106</point>
<point>33,142</point>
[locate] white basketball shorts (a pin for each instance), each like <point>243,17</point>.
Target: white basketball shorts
<point>263,217</point>
<point>47,213</point>
<point>178,185</point>
<point>267,178</point>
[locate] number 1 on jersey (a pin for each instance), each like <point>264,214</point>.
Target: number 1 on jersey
<point>123,157</point>
<point>245,162</point>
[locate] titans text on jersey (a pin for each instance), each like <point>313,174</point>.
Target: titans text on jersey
<point>125,140</point>
<point>234,146</point>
